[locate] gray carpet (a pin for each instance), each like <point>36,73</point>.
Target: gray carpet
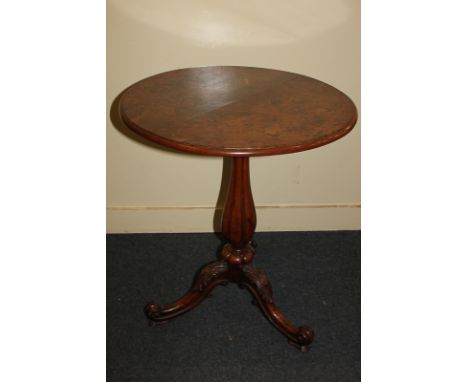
<point>316,281</point>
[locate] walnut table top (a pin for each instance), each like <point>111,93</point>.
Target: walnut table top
<point>237,111</point>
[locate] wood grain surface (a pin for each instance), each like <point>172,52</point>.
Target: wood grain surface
<point>237,111</point>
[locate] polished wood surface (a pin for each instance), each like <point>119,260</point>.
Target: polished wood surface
<point>237,111</point>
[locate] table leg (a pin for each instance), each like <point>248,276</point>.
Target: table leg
<point>210,276</point>
<point>257,282</point>
<point>238,227</point>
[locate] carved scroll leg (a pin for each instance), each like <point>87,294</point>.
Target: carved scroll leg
<point>257,283</point>
<point>210,276</point>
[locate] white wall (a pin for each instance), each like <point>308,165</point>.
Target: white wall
<point>155,190</point>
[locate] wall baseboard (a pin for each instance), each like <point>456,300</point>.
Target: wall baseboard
<point>200,218</point>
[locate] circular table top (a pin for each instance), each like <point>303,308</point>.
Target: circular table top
<point>237,111</point>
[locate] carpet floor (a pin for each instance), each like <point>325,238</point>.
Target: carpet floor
<point>316,282</point>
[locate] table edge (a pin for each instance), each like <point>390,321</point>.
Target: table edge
<point>239,152</point>
<point>236,152</point>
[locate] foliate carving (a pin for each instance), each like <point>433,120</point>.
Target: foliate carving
<point>259,280</point>
<point>209,273</point>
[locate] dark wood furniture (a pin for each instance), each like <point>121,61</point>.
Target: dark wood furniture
<point>236,112</point>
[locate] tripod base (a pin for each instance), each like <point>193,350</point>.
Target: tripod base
<point>223,272</point>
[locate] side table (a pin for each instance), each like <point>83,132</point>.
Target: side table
<point>237,112</point>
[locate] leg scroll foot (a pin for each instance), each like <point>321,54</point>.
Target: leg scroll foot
<point>257,283</point>
<point>209,277</point>
<point>152,312</point>
<point>304,338</point>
